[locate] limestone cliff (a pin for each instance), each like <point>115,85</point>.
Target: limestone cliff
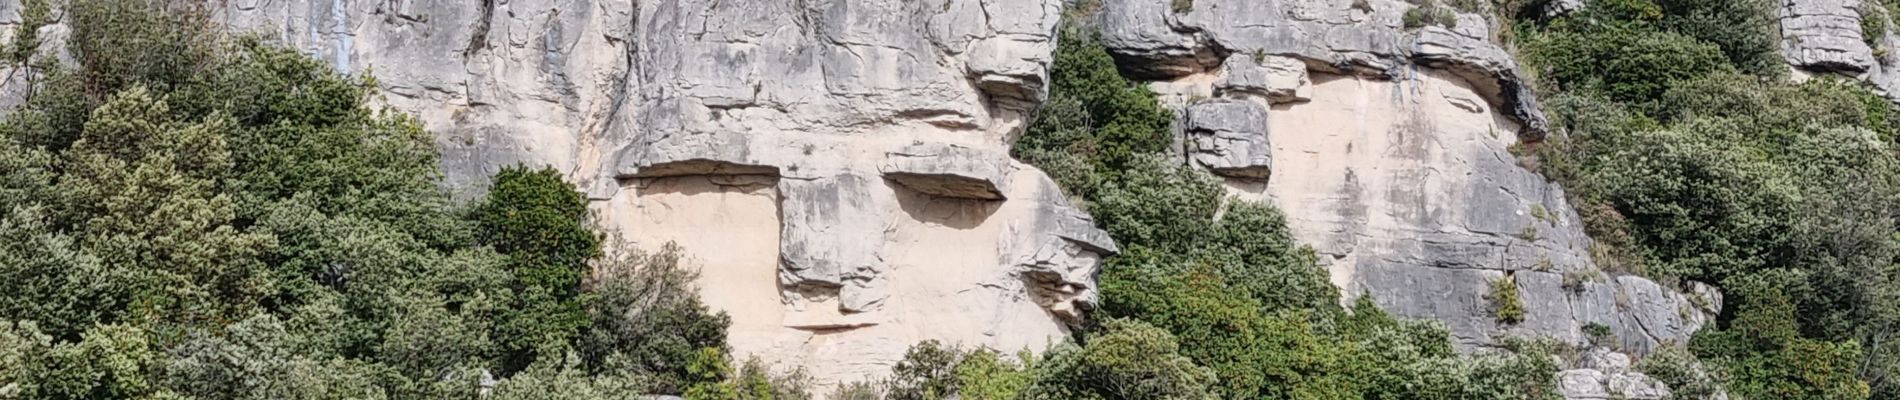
<point>1826,37</point>
<point>1389,149</point>
<point>839,169</point>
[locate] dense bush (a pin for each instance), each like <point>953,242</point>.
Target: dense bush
<point>645,319</point>
<point>184,215</point>
<point>537,221</point>
<point>1781,193</point>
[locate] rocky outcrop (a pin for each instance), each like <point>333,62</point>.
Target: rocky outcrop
<point>837,169</point>
<point>861,196</point>
<point>1389,149</point>
<point>1155,42</point>
<point>1601,374</point>
<point>1826,37</point>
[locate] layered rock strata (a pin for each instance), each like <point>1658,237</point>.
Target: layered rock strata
<point>1827,37</point>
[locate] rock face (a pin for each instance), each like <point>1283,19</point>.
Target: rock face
<point>1389,150</point>
<point>838,169</point>
<point>1601,374</point>
<point>1825,37</point>
<point>841,168</point>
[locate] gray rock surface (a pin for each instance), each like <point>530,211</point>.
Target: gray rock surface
<point>1389,149</point>
<point>1825,37</point>
<point>950,170</point>
<point>1151,40</point>
<point>1278,79</point>
<point>1601,374</point>
<point>1229,137</point>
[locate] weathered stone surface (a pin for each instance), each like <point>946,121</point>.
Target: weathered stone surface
<point>1825,35</point>
<point>949,170</point>
<point>1601,374</point>
<point>897,215</point>
<point>1390,156</point>
<point>1151,40</point>
<point>1279,79</point>
<point>1229,137</point>
<point>1556,8</point>
<point>1156,43</point>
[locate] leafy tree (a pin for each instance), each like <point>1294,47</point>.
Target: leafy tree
<point>189,216</point>
<point>1128,360</point>
<point>142,191</point>
<point>1768,188</point>
<point>538,221</point>
<point>647,321</point>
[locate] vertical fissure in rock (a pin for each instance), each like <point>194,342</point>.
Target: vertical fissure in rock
<point>478,38</point>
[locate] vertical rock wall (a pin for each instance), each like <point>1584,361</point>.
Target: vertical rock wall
<point>1389,150</point>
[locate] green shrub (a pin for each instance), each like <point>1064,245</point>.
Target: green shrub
<point>857,391</point>
<point>538,220</point>
<point>984,374</point>
<point>194,216</point>
<point>1504,300</point>
<point>1686,376</point>
<point>713,378</point>
<point>33,15</point>
<point>1747,31</point>
<point>1127,360</point>
<point>1763,351</point>
<point>927,372</point>
<point>646,319</point>
<point>1598,333</point>
<point>1103,120</point>
<point>1874,22</point>
<point>1629,65</point>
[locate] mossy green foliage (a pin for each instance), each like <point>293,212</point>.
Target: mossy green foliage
<point>185,216</point>
<point>1694,161</point>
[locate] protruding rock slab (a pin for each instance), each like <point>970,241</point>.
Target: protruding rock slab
<point>950,170</point>
<point>1230,137</point>
<point>1278,79</point>
<point>1153,41</point>
<point>1825,35</point>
